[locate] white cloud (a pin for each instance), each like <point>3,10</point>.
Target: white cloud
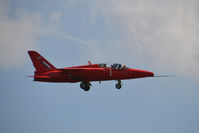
<point>55,17</point>
<point>165,33</point>
<point>17,35</point>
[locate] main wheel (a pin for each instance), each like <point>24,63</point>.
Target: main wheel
<point>83,85</point>
<point>87,88</point>
<point>118,86</point>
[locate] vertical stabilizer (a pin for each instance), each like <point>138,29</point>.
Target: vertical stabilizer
<point>39,62</point>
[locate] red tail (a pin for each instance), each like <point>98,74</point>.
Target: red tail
<point>39,62</point>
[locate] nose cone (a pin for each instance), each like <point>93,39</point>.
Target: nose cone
<point>141,73</point>
<point>149,74</point>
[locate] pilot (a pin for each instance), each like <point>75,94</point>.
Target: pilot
<point>114,66</point>
<point>119,66</point>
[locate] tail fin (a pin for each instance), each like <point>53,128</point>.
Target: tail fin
<point>39,62</point>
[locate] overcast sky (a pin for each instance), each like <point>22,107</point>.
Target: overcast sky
<point>155,35</point>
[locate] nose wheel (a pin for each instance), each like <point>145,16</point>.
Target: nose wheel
<point>85,86</point>
<point>118,85</point>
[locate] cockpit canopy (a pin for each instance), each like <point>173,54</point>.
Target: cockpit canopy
<point>114,66</point>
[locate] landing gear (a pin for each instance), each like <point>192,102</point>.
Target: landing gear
<point>85,86</point>
<point>118,85</point>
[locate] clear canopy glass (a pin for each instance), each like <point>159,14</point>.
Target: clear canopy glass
<point>113,65</point>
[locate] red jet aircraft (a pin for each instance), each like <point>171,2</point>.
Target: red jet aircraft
<point>46,72</point>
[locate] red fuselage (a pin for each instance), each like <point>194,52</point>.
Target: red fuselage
<point>89,73</point>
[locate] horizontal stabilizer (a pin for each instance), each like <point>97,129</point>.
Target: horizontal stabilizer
<point>39,77</point>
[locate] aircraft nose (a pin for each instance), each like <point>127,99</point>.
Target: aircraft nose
<point>149,74</point>
<point>142,73</point>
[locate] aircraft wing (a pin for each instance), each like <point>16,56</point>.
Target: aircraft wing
<point>66,70</point>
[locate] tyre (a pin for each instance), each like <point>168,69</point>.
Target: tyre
<point>83,85</point>
<point>118,86</point>
<point>87,88</point>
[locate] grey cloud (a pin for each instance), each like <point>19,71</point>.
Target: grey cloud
<point>165,33</point>
<point>17,36</point>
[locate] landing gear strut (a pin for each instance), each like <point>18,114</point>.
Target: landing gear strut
<point>85,86</point>
<point>118,85</point>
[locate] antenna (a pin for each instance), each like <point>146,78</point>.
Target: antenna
<point>89,62</point>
